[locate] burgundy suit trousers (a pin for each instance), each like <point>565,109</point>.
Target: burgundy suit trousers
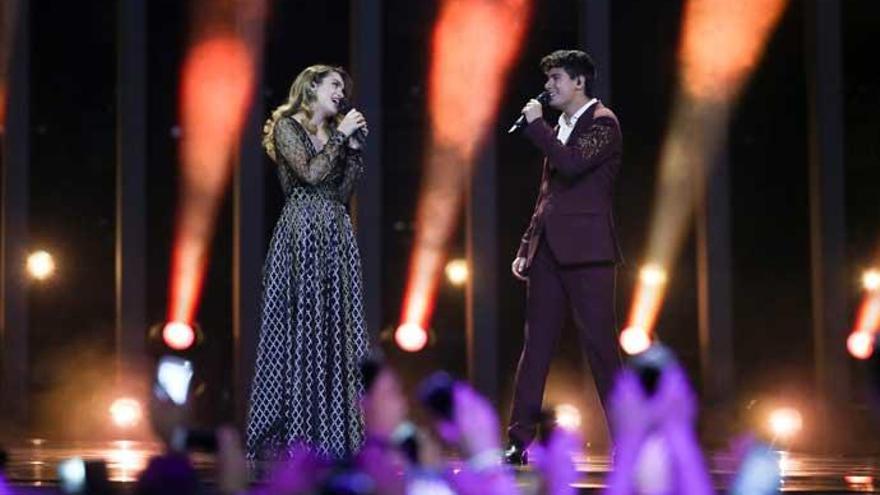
<point>587,290</point>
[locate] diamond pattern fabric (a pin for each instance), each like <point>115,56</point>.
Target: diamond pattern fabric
<point>313,335</point>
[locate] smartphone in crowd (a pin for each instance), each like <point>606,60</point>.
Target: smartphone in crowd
<point>173,377</point>
<point>76,476</point>
<point>649,366</point>
<point>435,393</point>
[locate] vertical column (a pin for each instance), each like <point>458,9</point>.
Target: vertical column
<point>248,253</point>
<point>482,288</point>
<point>366,70</point>
<point>827,227</point>
<point>595,38</point>
<point>714,282</point>
<point>14,236</point>
<point>131,204</point>
<point>249,247</point>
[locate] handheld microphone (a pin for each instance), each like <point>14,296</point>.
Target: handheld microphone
<point>344,106</point>
<point>543,98</point>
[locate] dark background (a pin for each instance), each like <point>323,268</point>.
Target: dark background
<point>72,195</point>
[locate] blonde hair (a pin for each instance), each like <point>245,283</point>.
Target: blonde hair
<point>300,99</point>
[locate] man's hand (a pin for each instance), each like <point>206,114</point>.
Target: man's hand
<point>518,268</point>
<point>533,110</point>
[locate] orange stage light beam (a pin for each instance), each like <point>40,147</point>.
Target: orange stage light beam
<point>861,341</point>
<point>721,44</point>
<point>646,307</point>
<point>474,44</point>
<point>216,88</point>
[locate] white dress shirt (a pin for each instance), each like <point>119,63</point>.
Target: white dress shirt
<point>566,126</point>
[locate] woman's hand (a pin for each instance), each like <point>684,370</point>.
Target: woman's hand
<point>357,142</point>
<point>352,121</point>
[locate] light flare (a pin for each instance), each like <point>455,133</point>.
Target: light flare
<point>652,275</point>
<point>40,265</point>
<point>178,335</point>
<point>125,461</point>
<point>722,41</point>
<point>126,412</point>
<point>785,422</point>
<point>645,307</point>
<point>473,40</point>
<point>721,44</point>
<point>859,482</point>
<point>568,417</point>
<point>871,280</point>
<point>635,340</point>
<point>457,271</point>
<point>860,344</point>
<point>217,84</point>
<point>411,337</point>
<point>647,300</point>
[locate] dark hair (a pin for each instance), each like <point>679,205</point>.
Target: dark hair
<point>575,63</point>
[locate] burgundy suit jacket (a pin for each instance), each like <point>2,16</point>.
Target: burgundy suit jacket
<point>574,210</point>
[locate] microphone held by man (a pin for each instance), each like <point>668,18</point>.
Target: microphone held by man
<point>543,99</point>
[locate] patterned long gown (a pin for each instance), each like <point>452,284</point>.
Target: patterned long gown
<point>306,382</point>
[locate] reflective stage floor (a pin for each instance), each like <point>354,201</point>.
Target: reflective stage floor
<point>32,467</point>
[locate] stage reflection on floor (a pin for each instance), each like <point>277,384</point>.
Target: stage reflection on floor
<point>35,463</point>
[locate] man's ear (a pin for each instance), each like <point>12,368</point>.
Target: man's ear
<point>580,82</point>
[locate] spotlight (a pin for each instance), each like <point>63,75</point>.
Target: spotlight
<point>126,412</point>
<point>568,417</point>
<point>40,265</point>
<point>126,461</point>
<point>634,340</point>
<point>860,344</point>
<point>411,337</point>
<point>652,275</point>
<point>178,335</point>
<point>871,280</point>
<point>457,271</point>
<point>859,482</point>
<point>785,422</point>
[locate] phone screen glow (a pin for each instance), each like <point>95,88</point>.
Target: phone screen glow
<point>173,376</point>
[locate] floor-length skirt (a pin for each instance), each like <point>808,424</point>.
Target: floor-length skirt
<point>306,384</point>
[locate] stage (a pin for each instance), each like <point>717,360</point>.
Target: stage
<point>718,197</point>
<point>33,463</point>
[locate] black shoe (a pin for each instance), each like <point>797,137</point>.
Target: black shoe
<point>516,455</point>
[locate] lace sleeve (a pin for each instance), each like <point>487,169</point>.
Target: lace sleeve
<point>354,168</point>
<point>291,147</point>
